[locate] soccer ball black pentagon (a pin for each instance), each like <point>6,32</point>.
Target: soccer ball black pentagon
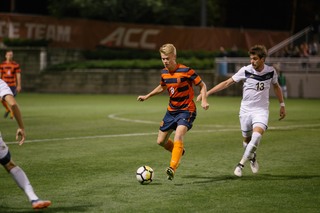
<point>145,174</point>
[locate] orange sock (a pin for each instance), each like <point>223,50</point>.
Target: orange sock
<point>169,145</point>
<point>176,154</point>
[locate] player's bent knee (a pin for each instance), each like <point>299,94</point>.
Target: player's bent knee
<point>261,126</point>
<point>10,166</point>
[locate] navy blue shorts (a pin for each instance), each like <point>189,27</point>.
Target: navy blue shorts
<point>14,90</point>
<point>173,119</point>
<point>6,159</point>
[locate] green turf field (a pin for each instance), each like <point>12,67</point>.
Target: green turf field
<point>82,152</point>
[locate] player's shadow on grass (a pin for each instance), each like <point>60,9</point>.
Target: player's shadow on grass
<point>51,209</point>
<point>198,179</point>
<point>283,177</point>
<point>208,179</point>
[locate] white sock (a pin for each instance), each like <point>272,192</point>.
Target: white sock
<point>251,147</point>
<point>23,182</point>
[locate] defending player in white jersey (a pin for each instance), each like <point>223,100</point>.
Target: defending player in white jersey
<point>254,111</point>
<point>6,161</point>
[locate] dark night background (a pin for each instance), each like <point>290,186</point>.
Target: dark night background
<point>253,14</point>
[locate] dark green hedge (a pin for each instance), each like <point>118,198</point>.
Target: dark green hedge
<point>103,58</point>
<point>130,64</point>
<point>25,42</point>
<point>110,54</point>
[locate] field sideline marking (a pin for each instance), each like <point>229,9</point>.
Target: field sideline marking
<point>112,136</point>
<point>114,116</point>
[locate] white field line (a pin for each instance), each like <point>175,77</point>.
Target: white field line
<point>231,128</point>
<point>114,136</point>
<point>215,128</point>
<point>85,137</point>
<point>115,117</point>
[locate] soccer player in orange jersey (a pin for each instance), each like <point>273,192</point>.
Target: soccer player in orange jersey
<point>178,80</point>
<point>10,73</point>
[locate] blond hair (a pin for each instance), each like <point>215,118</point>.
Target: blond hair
<point>168,49</point>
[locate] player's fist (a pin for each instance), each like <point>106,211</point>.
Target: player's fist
<point>142,98</point>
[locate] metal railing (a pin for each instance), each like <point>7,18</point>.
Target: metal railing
<point>289,40</point>
<point>226,66</point>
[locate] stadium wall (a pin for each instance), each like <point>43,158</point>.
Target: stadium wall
<point>300,84</point>
<point>143,81</point>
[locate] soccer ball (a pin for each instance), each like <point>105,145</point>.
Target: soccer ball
<point>145,174</point>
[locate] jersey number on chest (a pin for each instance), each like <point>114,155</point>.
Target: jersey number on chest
<point>259,86</point>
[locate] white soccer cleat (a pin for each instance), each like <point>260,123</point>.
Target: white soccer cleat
<point>238,170</point>
<point>254,164</point>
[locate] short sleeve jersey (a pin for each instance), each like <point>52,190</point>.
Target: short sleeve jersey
<point>256,87</point>
<point>179,85</point>
<point>8,72</point>
<point>4,89</point>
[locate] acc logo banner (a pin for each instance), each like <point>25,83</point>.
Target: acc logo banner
<point>131,38</point>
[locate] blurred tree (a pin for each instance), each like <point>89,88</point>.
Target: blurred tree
<point>274,14</point>
<point>163,12</point>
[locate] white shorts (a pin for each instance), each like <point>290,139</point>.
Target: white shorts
<point>249,119</point>
<point>3,148</point>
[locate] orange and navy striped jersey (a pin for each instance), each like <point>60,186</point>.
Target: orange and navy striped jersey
<point>9,72</point>
<point>179,85</point>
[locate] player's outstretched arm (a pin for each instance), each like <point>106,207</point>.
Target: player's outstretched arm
<point>221,86</point>
<point>203,94</point>
<point>157,90</point>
